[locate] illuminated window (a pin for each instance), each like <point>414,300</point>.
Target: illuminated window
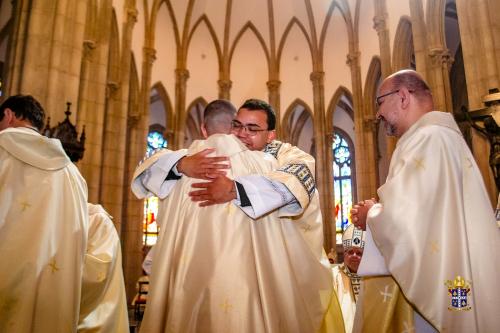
<point>155,141</point>
<point>342,183</point>
<point>150,227</point>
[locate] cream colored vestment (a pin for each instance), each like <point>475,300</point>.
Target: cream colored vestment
<point>104,304</point>
<point>43,234</point>
<point>435,223</point>
<point>217,270</point>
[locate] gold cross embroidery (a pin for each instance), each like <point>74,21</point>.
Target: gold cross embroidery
<point>419,162</point>
<point>386,293</point>
<point>24,205</point>
<point>53,266</point>
<point>226,306</point>
<point>434,247</point>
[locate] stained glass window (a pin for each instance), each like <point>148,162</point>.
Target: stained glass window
<point>342,183</point>
<point>150,228</point>
<point>155,141</point>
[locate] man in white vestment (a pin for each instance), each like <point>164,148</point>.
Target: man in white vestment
<point>43,225</point>
<point>104,304</point>
<point>345,280</point>
<point>425,258</point>
<point>216,270</point>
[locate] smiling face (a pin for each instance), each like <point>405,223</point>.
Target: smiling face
<point>256,120</point>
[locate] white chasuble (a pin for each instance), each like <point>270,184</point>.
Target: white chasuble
<point>217,270</point>
<point>43,234</point>
<point>436,231</point>
<point>104,305</point>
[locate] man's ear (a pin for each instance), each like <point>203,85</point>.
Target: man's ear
<point>405,97</point>
<point>9,116</point>
<point>204,131</point>
<point>271,136</point>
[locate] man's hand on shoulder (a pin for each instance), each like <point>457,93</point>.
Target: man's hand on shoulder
<point>201,166</point>
<point>220,190</point>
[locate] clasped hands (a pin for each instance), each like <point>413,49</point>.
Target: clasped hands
<point>359,212</point>
<point>219,188</point>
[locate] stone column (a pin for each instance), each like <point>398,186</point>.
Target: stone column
<point>48,44</point>
<point>481,71</point>
<point>366,176</point>
<point>323,171</point>
<point>273,88</point>
<point>441,62</point>
<point>384,41</point>
<point>181,77</point>
<point>225,89</point>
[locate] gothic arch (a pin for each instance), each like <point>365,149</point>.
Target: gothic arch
<point>293,131</point>
<point>204,20</point>
<point>435,14</point>
<point>290,25</point>
<point>193,120</point>
<point>249,26</point>
<point>403,51</point>
<point>169,116</point>
<point>341,91</point>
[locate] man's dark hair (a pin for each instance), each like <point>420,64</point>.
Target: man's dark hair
<point>259,105</point>
<point>218,116</point>
<point>25,107</point>
<point>412,81</point>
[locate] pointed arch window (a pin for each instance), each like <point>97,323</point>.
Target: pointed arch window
<point>155,140</point>
<point>343,181</point>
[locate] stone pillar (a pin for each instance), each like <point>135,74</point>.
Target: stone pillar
<point>481,71</point>
<point>225,89</point>
<point>441,62</point>
<point>273,88</point>
<point>384,41</point>
<point>366,171</point>
<point>323,171</point>
<point>181,77</point>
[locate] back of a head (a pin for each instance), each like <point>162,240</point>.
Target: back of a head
<point>218,116</point>
<point>259,105</point>
<point>25,107</point>
<point>415,83</point>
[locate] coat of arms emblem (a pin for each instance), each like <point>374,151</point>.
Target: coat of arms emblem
<point>458,289</point>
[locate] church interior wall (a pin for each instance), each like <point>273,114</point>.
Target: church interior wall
<point>164,65</point>
<point>295,69</point>
<point>203,65</point>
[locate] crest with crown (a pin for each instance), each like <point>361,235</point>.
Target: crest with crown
<point>353,237</point>
<point>459,289</point>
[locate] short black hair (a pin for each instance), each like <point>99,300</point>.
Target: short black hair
<point>259,105</point>
<point>218,116</point>
<point>25,107</point>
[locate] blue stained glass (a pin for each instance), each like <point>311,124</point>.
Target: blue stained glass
<point>155,141</point>
<point>342,176</point>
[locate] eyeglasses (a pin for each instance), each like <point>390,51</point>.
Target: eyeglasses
<point>251,130</point>
<point>379,102</point>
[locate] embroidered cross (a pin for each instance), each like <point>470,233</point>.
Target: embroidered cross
<point>226,306</point>
<point>385,293</point>
<point>419,162</point>
<point>434,247</point>
<point>24,205</point>
<point>306,227</point>
<point>53,266</point>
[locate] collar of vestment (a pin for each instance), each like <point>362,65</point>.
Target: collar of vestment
<point>433,118</point>
<point>224,145</point>
<point>273,147</point>
<point>33,148</point>
<point>355,279</point>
